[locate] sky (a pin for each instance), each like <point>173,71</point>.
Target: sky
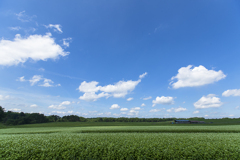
<point>121,58</point>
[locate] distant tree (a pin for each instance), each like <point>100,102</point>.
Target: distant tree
<point>2,113</point>
<point>53,118</point>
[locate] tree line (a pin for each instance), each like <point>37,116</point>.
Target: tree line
<point>15,118</point>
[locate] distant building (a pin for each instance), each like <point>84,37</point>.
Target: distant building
<point>182,121</point>
<point>187,121</point>
<point>197,122</point>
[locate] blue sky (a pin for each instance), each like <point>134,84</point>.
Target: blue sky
<point>121,58</point>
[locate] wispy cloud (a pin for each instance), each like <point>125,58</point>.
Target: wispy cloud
<point>23,17</point>
<point>56,27</point>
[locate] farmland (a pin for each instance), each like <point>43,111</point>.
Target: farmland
<point>73,141</point>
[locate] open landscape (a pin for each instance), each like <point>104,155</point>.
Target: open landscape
<point>119,80</point>
<point>125,140</point>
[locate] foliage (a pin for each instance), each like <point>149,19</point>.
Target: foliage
<point>15,118</point>
<point>2,113</point>
<point>120,146</point>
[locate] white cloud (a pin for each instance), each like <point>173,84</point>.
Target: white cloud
<point>23,17</point>
<point>15,110</point>
<point>136,108</point>
<point>237,107</point>
<point>41,69</point>
<point>65,103</point>
<point>59,112</point>
<point>35,79</point>
<point>21,79</point>
<point>133,112</point>
<point>66,41</point>
<point>33,106</point>
<point>56,27</point>
<point>46,83</point>
<point>147,98</point>
<point>143,105</point>
<point>115,106</point>
<point>89,86</point>
<point>197,76</point>
<point>179,109</point>
<point>35,47</point>
<point>61,105</point>
<point>121,88</point>
<point>232,92</point>
<point>4,97</point>
<point>117,90</point>
<point>163,100</point>
<point>15,28</point>
<point>91,96</point>
<point>129,99</point>
<point>123,109</point>
<point>195,112</point>
<point>143,75</point>
<point>156,110</point>
<point>208,101</point>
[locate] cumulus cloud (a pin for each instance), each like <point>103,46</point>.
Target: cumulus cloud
<point>35,47</point>
<point>121,88</point>
<point>33,106</point>
<point>123,109</point>
<point>37,78</point>
<point>56,27</point>
<point>232,92</point>
<point>143,105</point>
<point>117,90</point>
<point>47,83</point>
<point>163,100</point>
<point>61,105</point>
<point>197,76</point>
<point>4,97</point>
<point>115,106</point>
<point>195,112</point>
<point>132,112</point>
<point>91,96</point>
<point>129,99</point>
<point>179,109</point>
<point>156,110</point>
<point>136,108</point>
<point>208,101</point>
<point>143,75</point>
<point>147,98</point>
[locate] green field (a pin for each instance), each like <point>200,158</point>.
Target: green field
<point>139,140</point>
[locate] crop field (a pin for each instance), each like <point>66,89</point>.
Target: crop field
<point>121,142</point>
